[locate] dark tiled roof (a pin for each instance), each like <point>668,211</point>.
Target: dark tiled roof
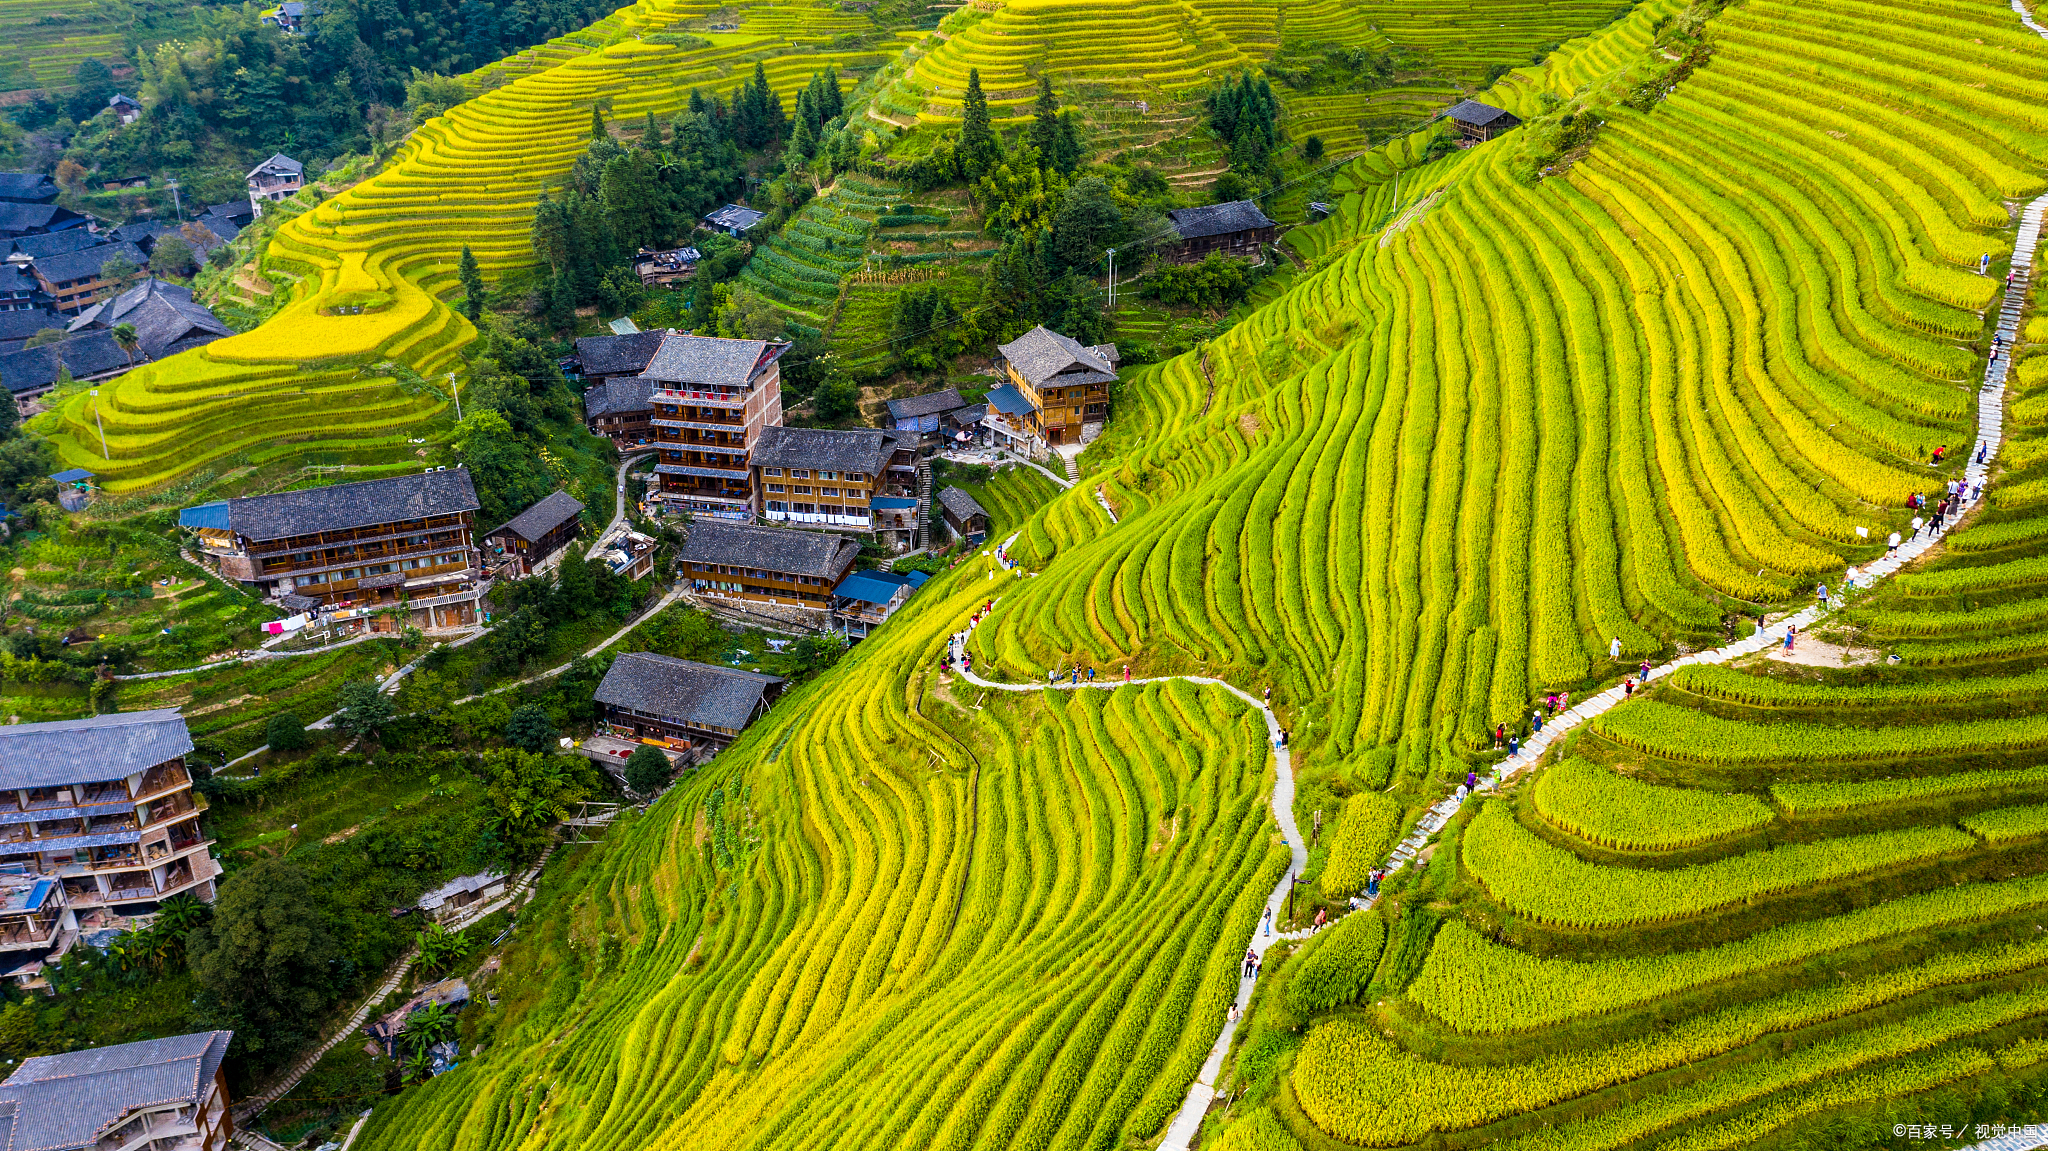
<point>240,211</point>
<point>69,1101</point>
<point>961,504</point>
<point>540,519</point>
<point>55,243</point>
<point>27,187</point>
<point>138,231</point>
<point>19,325</point>
<point>224,228</point>
<point>929,404</point>
<point>1040,354</point>
<point>339,507</point>
<point>165,316</point>
<point>88,355</point>
<point>616,355</point>
<point>86,263</point>
<point>279,164</point>
<point>1217,219</point>
<point>854,450</point>
<point>736,216</point>
<point>83,750</point>
<point>687,359</point>
<point>15,278</point>
<point>970,414</point>
<point>680,689</point>
<point>784,550</point>
<point>626,394</point>
<point>19,219</point>
<point>1481,115</point>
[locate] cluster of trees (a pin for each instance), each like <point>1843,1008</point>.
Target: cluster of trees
<point>1215,283</point>
<point>1051,146</point>
<point>221,89</point>
<point>1247,116</point>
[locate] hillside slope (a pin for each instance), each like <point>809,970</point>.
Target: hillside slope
<point>1500,423</point>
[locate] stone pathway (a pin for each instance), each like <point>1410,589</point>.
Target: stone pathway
<point>619,502</point>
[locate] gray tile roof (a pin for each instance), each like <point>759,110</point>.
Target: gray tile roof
<point>559,508</point>
<point>626,394</point>
<point>929,404</point>
<point>15,278</point>
<point>86,750</point>
<point>1481,115</point>
<point>339,507</point>
<point>27,187</point>
<point>687,359</point>
<point>20,324</point>
<point>240,211</point>
<point>681,689</point>
<point>165,316</point>
<point>735,216</point>
<point>616,355</point>
<point>89,355</point>
<point>1040,354</point>
<point>784,550</point>
<point>279,164</point>
<point>1217,219</point>
<point>962,505</point>
<point>60,1102</point>
<point>49,244</point>
<point>20,219</point>
<point>86,263</point>
<point>852,450</point>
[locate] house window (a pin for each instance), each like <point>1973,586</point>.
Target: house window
<point>799,474</point>
<point>775,487</point>
<point>801,489</point>
<point>857,477</point>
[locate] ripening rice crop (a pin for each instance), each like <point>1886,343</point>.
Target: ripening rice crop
<point>1615,811</point>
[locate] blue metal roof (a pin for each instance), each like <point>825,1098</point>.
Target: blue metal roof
<point>1009,401</point>
<point>213,515</point>
<point>864,586</point>
<point>41,892</point>
<point>917,579</point>
<point>891,503</point>
<point>72,475</point>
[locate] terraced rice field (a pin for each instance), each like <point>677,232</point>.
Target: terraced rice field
<point>369,265</point>
<point>42,42</point>
<point>1497,426</point>
<point>800,269</point>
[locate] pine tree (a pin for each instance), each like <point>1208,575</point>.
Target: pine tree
<point>697,105</point>
<point>1067,148</point>
<point>803,142</point>
<point>979,151</point>
<point>597,129</point>
<point>835,100</point>
<point>561,302</point>
<point>472,278</point>
<point>1045,123</point>
<point>650,133</point>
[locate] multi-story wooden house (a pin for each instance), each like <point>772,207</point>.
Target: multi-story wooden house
<point>74,281</point>
<point>154,1095</point>
<point>274,179</point>
<point>679,704</point>
<point>782,566</point>
<point>1065,384</point>
<point>97,818</point>
<point>527,540</point>
<point>922,418</point>
<point>384,552</point>
<point>711,398</point>
<point>828,478</point>
<point>1234,229</point>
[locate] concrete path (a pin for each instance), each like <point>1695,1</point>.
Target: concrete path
<point>673,594</point>
<point>619,502</point>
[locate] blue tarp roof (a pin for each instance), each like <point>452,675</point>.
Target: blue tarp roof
<point>41,892</point>
<point>213,515</point>
<point>1008,400</point>
<point>72,475</point>
<point>891,503</point>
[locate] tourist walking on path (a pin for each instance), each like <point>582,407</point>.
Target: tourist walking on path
<point>1644,668</point>
<point>1892,546</point>
<point>1514,745</point>
<point>1322,917</point>
<point>1127,673</point>
<point>1791,633</point>
<point>1250,957</point>
<point>1628,690</point>
<point>1614,649</point>
<point>1267,930</point>
<point>1535,722</point>
<point>1820,592</point>
<point>1500,735</point>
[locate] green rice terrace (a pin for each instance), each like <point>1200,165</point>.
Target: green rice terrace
<point>1615,390</point>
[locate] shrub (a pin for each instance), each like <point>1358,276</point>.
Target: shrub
<point>648,770</point>
<point>284,732</point>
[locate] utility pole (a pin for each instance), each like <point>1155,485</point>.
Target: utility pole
<point>177,202</point>
<point>455,392</point>
<point>1112,277</point>
<point>104,454</point>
